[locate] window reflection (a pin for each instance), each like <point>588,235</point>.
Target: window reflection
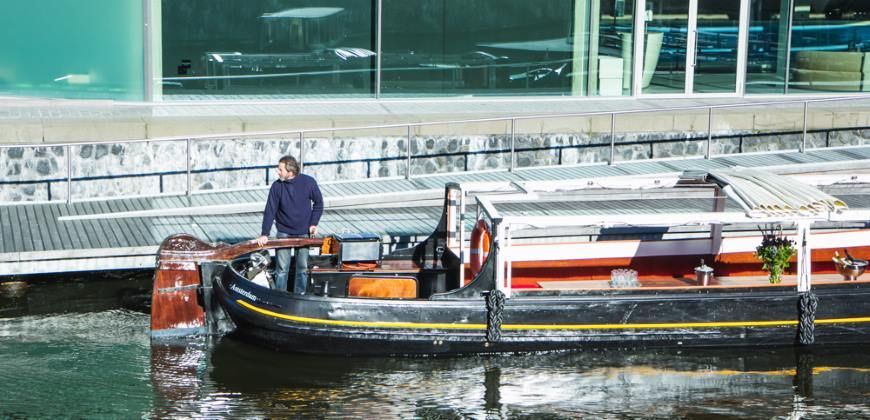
<point>768,40</point>
<point>716,46</point>
<point>665,46</point>
<point>505,47</point>
<point>290,47</point>
<point>483,47</point>
<point>830,46</point>
<point>612,55</point>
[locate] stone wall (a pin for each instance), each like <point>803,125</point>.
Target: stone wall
<point>156,167</point>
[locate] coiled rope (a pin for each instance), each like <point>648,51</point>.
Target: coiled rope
<point>494,308</point>
<point>807,305</point>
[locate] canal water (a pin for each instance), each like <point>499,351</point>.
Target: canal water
<point>78,347</point>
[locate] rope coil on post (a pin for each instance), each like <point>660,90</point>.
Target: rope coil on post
<point>494,307</point>
<point>807,305</point>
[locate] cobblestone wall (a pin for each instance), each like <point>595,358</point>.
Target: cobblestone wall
<point>161,167</point>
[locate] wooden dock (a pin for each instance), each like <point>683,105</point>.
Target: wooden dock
<point>124,233</point>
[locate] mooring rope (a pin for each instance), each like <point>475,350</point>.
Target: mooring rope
<point>494,308</point>
<point>807,305</point>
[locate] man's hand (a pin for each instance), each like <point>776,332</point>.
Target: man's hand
<point>312,230</point>
<point>262,240</point>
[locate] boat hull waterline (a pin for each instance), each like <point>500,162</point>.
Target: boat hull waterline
<point>723,317</point>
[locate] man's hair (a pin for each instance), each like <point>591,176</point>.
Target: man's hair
<point>290,164</point>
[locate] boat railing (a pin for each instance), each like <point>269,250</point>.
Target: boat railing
<point>504,226</point>
<point>504,147</point>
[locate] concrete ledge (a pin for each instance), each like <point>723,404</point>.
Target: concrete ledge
<point>34,121</point>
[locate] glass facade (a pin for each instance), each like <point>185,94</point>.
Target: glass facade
<point>268,47</point>
<point>72,49</point>
<point>483,47</point>
<point>665,46</point>
<point>830,46</point>
<point>767,56</point>
<point>612,48</point>
<point>716,46</point>
<point>395,48</point>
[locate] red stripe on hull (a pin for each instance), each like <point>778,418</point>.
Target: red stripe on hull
<point>526,274</point>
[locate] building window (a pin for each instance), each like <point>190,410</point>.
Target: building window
<point>72,49</point>
<point>259,47</point>
<point>612,54</point>
<point>768,46</point>
<point>484,47</point>
<point>830,46</point>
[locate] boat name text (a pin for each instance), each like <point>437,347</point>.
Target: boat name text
<point>244,293</point>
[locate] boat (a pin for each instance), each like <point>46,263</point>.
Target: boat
<point>550,267</point>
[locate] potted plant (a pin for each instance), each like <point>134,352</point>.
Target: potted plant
<point>774,252</point>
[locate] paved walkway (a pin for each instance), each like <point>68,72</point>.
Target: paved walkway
<point>125,233</point>
<point>31,121</point>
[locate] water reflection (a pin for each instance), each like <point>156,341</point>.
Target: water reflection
<point>230,377</point>
<point>77,292</point>
<point>71,348</point>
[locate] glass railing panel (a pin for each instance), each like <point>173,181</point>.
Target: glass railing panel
<point>838,123</point>
<point>764,128</point>
<point>458,147</point>
<point>562,141</point>
<point>126,169</point>
<point>660,135</point>
<point>358,154</point>
<point>33,173</point>
<point>234,163</point>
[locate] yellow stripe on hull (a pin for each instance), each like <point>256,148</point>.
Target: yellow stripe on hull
<point>526,327</point>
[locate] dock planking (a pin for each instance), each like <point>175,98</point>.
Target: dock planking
<point>35,229</point>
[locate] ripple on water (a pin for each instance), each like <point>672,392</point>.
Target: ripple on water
<point>57,364</point>
<point>99,363</point>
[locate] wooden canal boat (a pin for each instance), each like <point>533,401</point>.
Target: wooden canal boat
<point>538,274</point>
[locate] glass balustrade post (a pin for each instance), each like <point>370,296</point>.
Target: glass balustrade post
<point>804,137</point>
<point>408,167</point>
<point>612,138</point>
<point>709,151</point>
<point>513,145</point>
<point>68,174</point>
<point>301,150</point>
<point>189,179</point>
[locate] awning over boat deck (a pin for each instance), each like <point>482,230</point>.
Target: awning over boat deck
<point>744,196</point>
<point>763,194</point>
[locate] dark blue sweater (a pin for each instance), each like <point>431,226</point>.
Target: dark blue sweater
<point>290,206</point>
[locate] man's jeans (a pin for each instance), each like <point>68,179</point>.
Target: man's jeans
<point>300,282</point>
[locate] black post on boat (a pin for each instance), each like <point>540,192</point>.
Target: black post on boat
<point>807,301</point>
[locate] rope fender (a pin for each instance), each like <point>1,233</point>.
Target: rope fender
<point>807,305</point>
<point>494,308</point>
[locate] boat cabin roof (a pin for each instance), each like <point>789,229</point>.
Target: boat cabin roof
<point>739,196</point>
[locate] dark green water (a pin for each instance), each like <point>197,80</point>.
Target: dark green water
<point>79,347</point>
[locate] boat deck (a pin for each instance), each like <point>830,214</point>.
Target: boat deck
<point>682,283</point>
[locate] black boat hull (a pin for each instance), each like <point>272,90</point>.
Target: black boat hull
<point>540,322</point>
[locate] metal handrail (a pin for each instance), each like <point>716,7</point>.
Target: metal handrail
<point>559,149</point>
<point>409,126</point>
<point>235,136</point>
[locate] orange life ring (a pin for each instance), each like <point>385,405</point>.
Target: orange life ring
<point>480,242</point>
